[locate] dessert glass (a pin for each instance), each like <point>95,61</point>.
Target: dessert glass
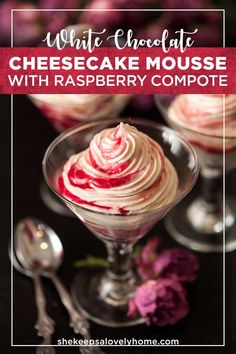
<point>103,295</point>
<point>204,224</point>
<point>64,112</point>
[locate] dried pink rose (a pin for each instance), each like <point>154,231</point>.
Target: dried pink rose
<point>27,28</point>
<point>101,19</point>
<point>162,302</point>
<point>59,4</point>
<point>117,19</point>
<point>177,263</point>
<point>55,21</point>
<point>144,260</point>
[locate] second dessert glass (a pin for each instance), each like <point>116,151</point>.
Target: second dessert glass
<point>203,223</point>
<point>103,295</point>
<point>66,111</point>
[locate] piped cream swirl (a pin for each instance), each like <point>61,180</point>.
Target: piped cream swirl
<point>123,171</point>
<point>204,113</point>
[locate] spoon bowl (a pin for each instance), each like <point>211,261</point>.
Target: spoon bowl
<point>37,247</point>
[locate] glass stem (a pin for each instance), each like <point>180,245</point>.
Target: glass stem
<point>118,283</point>
<point>120,258</point>
<point>205,213</point>
<point>211,186</point>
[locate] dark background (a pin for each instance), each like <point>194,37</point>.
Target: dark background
<point>32,134</point>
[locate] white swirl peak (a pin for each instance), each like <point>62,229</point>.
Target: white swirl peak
<point>122,171</point>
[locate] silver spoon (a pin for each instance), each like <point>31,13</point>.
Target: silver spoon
<point>44,324</point>
<point>38,248</point>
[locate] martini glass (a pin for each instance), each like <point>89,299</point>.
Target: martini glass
<point>63,112</point>
<point>66,110</point>
<point>203,223</point>
<point>103,295</point>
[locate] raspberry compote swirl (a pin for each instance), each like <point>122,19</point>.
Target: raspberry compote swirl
<point>122,172</point>
<point>203,114</point>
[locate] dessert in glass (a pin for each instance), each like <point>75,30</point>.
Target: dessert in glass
<point>119,177</point>
<point>208,121</point>
<point>66,110</point>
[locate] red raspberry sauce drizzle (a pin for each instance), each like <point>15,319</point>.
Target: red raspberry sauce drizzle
<point>79,178</point>
<point>63,191</point>
<point>116,169</point>
<point>109,150</point>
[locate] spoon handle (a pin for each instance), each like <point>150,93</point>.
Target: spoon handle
<point>77,321</point>
<point>45,347</point>
<point>44,324</point>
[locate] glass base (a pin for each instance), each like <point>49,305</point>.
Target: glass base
<point>86,298</point>
<point>53,202</point>
<point>196,227</point>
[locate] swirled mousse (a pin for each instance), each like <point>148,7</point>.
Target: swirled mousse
<point>123,171</point>
<point>70,99</point>
<point>204,113</point>
<point>64,111</point>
